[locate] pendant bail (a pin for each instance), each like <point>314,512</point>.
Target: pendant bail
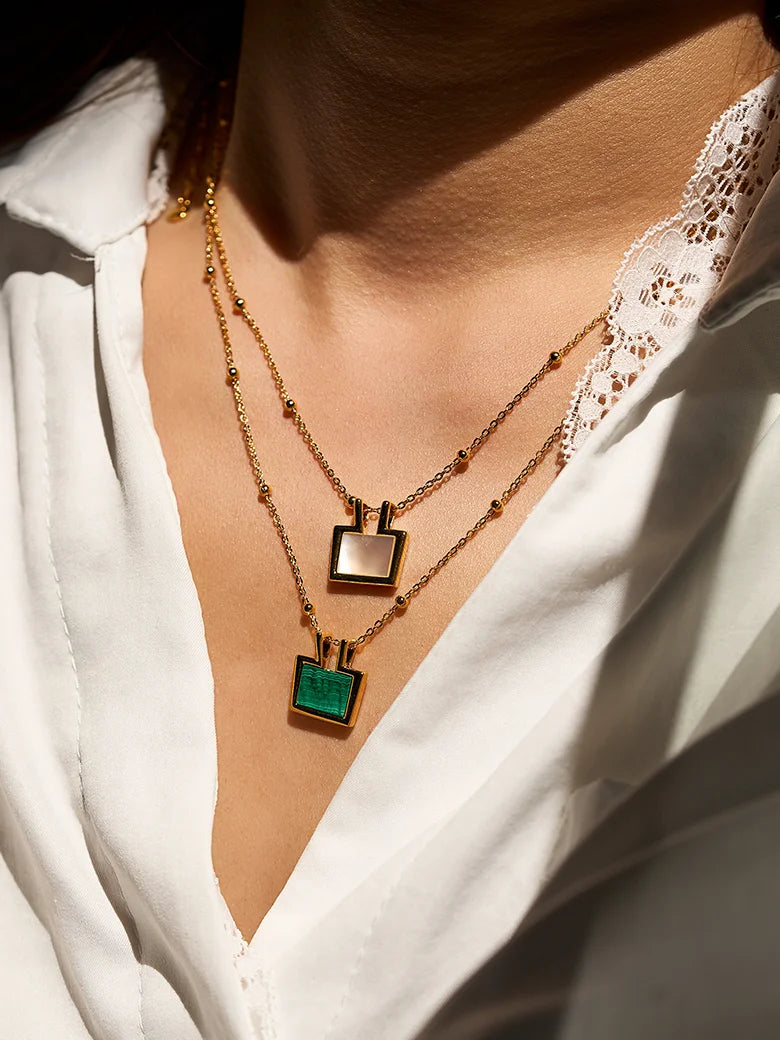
<point>359,514</point>
<point>324,644</point>
<point>347,652</point>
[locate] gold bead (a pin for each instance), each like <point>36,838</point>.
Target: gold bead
<point>210,203</point>
<point>183,210</point>
<point>239,303</point>
<point>401,602</point>
<point>556,357</point>
<point>266,489</point>
<point>289,404</point>
<point>497,505</point>
<point>464,455</point>
<point>308,608</point>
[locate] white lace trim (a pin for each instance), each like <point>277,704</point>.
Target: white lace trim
<point>670,271</point>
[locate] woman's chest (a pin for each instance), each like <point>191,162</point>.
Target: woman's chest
<point>278,771</point>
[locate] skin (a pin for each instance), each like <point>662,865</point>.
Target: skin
<point>420,201</point>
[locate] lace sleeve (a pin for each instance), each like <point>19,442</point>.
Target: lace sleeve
<point>671,270</point>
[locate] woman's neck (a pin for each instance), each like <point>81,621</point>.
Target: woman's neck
<point>411,142</point>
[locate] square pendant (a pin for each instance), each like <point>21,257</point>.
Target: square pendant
<point>327,693</point>
<point>368,559</point>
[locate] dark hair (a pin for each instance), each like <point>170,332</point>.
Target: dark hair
<point>42,71</point>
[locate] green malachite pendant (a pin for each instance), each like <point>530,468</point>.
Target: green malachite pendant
<point>368,559</point>
<point>332,694</point>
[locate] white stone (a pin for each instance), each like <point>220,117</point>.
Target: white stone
<point>365,555</point>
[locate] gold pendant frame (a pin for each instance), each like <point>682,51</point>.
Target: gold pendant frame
<point>331,695</point>
<point>386,549</point>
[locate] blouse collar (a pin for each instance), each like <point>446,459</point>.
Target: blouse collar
<point>87,177</point>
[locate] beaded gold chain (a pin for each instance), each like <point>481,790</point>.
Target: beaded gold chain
<point>320,691</point>
<point>461,457</point>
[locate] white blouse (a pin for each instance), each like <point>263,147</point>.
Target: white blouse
<point>571,673</point>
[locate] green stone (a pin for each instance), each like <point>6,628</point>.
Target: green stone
<point>322,691</point>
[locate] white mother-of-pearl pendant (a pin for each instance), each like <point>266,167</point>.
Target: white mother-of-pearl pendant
<point>368,559</point>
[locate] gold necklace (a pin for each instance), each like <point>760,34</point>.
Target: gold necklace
<point>357,557</point>
<point>320,690</point>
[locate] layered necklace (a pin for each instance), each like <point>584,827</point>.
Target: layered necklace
<point>325,684</point>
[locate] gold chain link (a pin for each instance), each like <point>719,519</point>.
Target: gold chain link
<point>401,602</point>
<point>215,240</point>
